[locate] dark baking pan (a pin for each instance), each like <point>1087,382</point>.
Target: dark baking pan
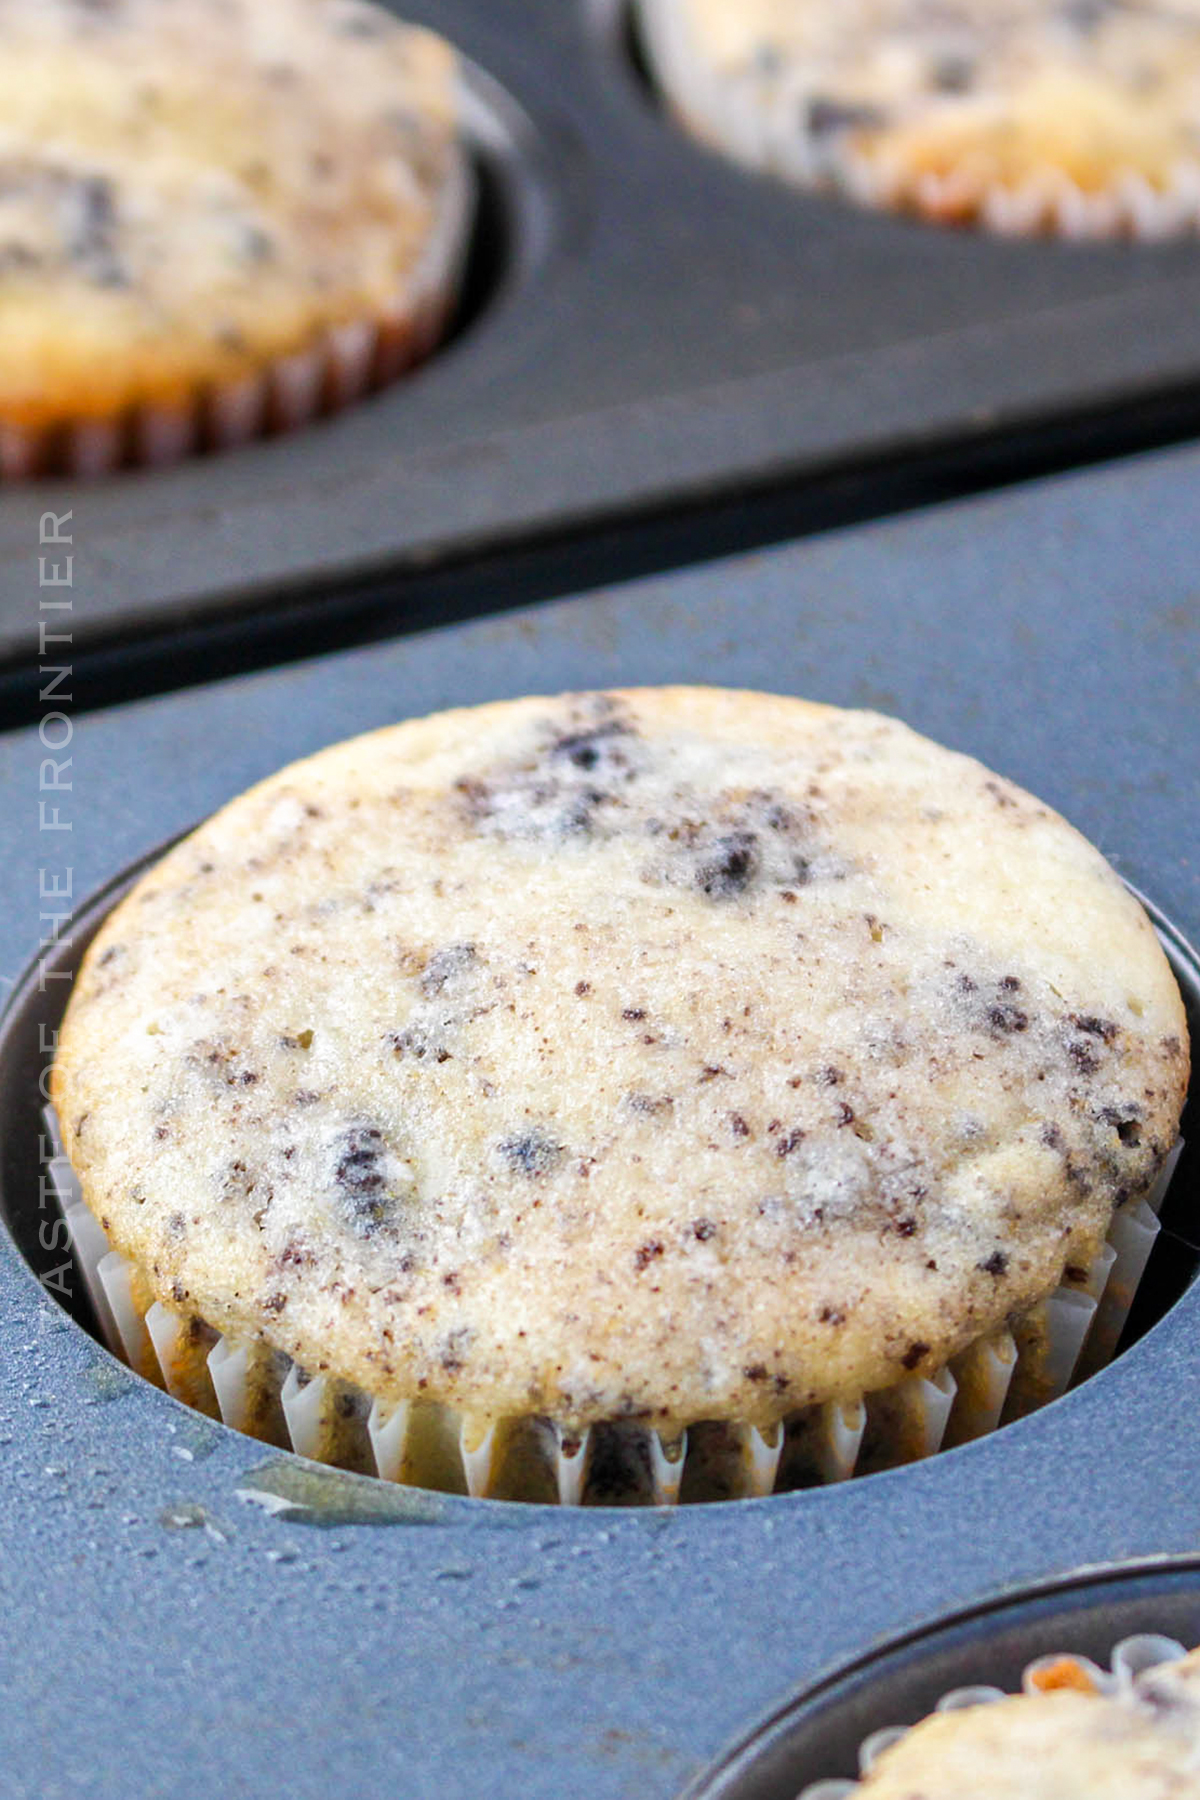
<point>646,327</point>
<point>196,1614</point>
<point>818,1735</point>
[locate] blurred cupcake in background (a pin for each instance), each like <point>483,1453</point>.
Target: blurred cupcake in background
<point>1072,118</point>
<point>217,218</point>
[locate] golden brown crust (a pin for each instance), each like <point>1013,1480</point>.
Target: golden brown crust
<point>670,1053</point>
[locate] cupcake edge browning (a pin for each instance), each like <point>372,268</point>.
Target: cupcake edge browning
<point>1140,1744</point>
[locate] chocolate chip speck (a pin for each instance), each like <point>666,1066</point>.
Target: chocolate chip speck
<point>446,965</point>
<point>953,74</point>
<point>362,1189</point>
<point>824,115</point>
<point>586,749</point>
<point>733,867</point>
<point>531,1153</point>
<point>1091,1026</point>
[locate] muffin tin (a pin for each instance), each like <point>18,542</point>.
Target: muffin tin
<point>196,1612</point>
<point>646,326</point>
<point>818,1736</point>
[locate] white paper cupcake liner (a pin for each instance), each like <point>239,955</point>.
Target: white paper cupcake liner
<point>762,127</point>
<point>257,1390</point>
<point>345,362</point>
<point>1132,1657</point>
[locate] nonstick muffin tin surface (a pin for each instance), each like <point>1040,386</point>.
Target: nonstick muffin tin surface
<point>648,324</point>
<point>194,1613</point>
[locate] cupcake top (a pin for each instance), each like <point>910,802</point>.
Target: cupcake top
<point>192,188</point>
<point>1068,1744</point>
<point>1019,111</point>
<point>668,1054</point>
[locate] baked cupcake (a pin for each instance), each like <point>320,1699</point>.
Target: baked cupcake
<point>578,1081</point>
<point>1074,117</point>
<point>1074,1735</point>
<point>217,217</point>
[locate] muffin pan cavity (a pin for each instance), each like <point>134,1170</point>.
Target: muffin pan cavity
<point>514,223</point>
<point>583,1651</point>
<point>473,252</point>
<point>1071,1337</point>
<point>1119,1618</point>
<point>659,327</point>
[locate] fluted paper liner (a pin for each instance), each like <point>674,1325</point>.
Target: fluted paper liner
<point>1130,1658</point>
<point>342,364</point>
<point>257,1390</point>
<point>739,119</point>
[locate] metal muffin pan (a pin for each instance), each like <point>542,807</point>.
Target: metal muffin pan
<point>194,1613</point>
<point>817,1736</point>
<point>648,325</point>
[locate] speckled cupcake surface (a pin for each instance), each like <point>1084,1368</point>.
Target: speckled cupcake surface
<point>1074,116</point>
<point>676,1054</point>
<point>1143,1744</point>
<point>190,189</point>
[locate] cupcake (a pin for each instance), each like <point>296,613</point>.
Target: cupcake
<point>217,217</point>
<point>621,1095</point>
<point>1079,118</point>
<point>1075,1734</point>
